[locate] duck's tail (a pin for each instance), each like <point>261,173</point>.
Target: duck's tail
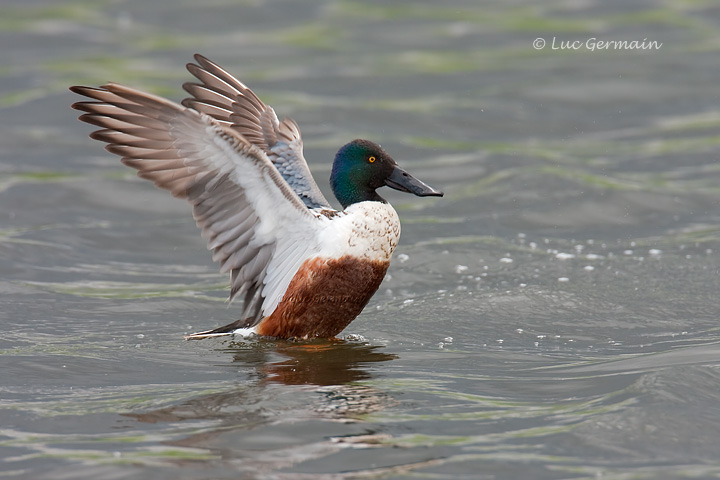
<point>238,327</point>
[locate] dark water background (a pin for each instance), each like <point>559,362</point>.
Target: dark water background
<point>555,316</point>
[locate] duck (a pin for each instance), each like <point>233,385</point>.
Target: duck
<point>302,268</point>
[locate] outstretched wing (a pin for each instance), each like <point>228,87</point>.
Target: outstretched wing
<point>255,224</point>
<point>234,105</point>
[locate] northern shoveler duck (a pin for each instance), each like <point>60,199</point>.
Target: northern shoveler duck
<point>303,268</point>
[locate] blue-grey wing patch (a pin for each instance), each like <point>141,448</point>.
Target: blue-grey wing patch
<point>232,104</point>
<point>287,156</point>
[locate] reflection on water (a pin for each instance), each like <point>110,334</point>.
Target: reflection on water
<point>331,364</point>
<point>323,373</point>
<point>321,362</point>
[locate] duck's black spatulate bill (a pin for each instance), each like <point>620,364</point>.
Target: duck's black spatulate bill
<point>401,180</point>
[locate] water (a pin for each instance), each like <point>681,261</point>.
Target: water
<point>553,317</point>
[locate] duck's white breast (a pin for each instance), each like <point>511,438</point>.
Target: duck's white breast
<point>366,230</point>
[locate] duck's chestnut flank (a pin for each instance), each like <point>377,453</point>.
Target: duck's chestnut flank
<point>325,295</point>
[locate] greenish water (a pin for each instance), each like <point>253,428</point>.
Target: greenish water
<point>554,316</point>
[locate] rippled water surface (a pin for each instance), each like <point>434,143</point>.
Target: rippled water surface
<point>555,316</point>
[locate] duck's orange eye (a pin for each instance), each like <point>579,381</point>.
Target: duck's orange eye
<point>371,159</point>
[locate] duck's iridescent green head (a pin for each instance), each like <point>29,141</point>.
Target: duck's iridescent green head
<point>361,167</point>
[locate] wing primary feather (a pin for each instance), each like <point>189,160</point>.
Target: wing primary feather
<point>119,138</point>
